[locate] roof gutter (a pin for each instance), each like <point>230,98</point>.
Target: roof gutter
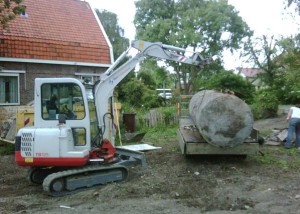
<point>57,62</point>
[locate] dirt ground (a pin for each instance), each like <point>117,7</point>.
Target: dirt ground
<point>171,184</point>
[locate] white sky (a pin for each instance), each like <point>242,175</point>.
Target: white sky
<point>265,17</point>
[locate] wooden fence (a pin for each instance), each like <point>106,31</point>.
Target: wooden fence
<point>157,117</point>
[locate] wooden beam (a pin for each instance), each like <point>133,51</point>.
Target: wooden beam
<point>4,141</point>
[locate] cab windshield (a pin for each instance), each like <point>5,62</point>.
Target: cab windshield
<point>62,98</point>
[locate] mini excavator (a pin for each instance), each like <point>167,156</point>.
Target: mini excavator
<point>72,143</point>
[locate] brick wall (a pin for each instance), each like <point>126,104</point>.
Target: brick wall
<point>34,70</point>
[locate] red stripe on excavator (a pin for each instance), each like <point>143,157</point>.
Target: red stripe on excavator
<point>181,59</point>
<point>21,161</point>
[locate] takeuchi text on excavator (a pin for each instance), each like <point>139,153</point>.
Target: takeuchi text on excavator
<point>72,143</point>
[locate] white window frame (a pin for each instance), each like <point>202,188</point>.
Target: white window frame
<point>12,73</point>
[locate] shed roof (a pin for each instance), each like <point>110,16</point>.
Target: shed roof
<point>60,30</point>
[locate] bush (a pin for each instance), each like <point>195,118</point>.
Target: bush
<point>227,80</point>
<point>138,95</point>
<point>168,113</point>
<point>7,149</point>
<point>265,104</point>
<point>133,92</point>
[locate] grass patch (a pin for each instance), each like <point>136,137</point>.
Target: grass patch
<point>280,157</point>
<point>7,149</point>
<point>158,135</point>
<point>161,134</point>
<point>265,133</point>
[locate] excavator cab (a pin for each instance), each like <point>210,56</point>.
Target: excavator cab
<point>64,102</point>
<point>61,134</point>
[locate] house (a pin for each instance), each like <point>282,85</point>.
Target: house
<point>57,38</point>
<point>252,75</point>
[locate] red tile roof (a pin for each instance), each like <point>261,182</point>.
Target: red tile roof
<point>56,30</point>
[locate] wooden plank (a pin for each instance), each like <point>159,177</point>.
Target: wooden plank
<point>4,141</point>
<point>191,143</point>
<point>189,131</point>
<point>191,135</point>
<point>205,148</point>
<point>181,142</point>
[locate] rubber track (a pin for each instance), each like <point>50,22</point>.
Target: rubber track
<point>67,173</point>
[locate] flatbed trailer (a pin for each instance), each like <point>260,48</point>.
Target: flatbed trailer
<point>192,143</point>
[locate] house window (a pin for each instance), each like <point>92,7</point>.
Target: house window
<point>9,89</point>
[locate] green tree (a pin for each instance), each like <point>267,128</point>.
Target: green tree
<point>114,32</point>
<point>296,2</point>
<point>278,59</point>
<point>263,52</point>
<point>265,104</point>
<point>147,79</point>
<point>134,91</point>
<point>289,59</point>
<point>292,62</point>
<point>228,81</point>
<point>9,9</point>
<point>205,26</point>
<point>160,75</point>
<point>138,95</point>
<point>154,20</point>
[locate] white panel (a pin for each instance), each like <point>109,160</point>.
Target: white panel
<point>46,143</point>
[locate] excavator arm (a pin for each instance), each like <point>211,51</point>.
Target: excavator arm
<point>112,77</point>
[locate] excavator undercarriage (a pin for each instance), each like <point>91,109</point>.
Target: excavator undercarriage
<point>60,181</point>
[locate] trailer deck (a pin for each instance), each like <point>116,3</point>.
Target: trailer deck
<point>192,143</point>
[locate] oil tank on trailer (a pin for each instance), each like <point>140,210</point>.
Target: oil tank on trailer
<point>223,120</point>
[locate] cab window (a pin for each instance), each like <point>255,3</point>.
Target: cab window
<point>62,98</point>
